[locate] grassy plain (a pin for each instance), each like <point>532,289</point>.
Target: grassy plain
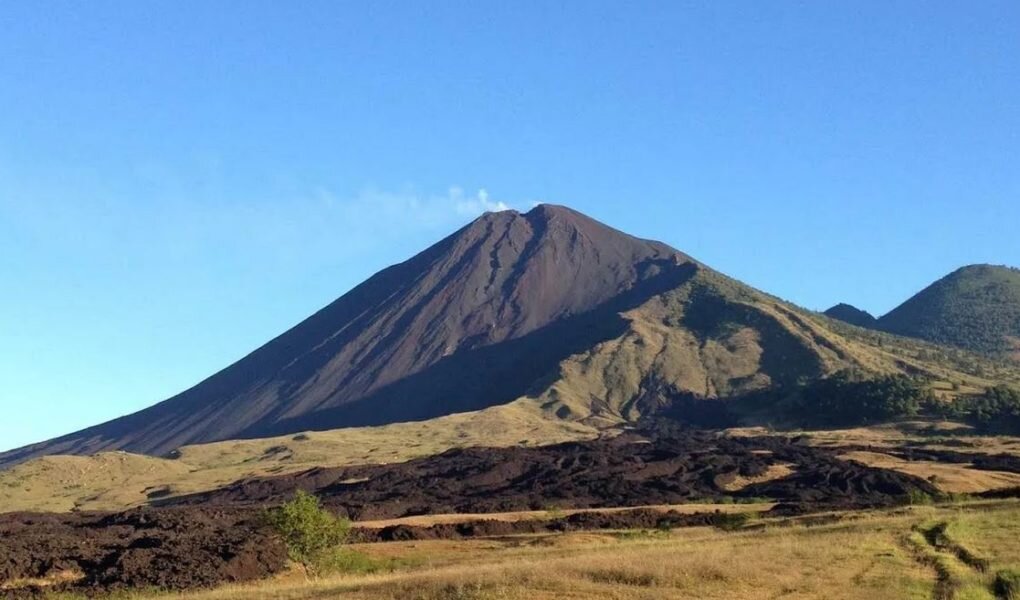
<point>945,552</point>
<point>118,480</point>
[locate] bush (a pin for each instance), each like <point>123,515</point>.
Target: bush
<point>345,560</point>
<point>853,398</point>
<point>312,534</point>
<point>754,500</point>
<point>731,521</point>
<point>554,513</point>
<point>997,410</point>
<point>917,497</point>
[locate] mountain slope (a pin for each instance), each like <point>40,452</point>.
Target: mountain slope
<point>565,319</point>
<point>470,322</point>
<point>714,337</point>
<point>852,315</point>
<point>976,307</point>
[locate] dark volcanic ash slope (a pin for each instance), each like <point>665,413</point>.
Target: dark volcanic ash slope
<point>470,322</point>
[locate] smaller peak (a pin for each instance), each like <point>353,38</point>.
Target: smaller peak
<point>973,268</point>
<point>849,313</point>
<point>983,268</point>
<point>980,272</point>
<point>842,306</point>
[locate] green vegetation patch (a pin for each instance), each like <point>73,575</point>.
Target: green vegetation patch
<point>997,410</point>
<point>314,536</point>
<point>853,397</point>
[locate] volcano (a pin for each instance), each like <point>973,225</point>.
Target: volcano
<point>592,324</point>
<point>469,322</point>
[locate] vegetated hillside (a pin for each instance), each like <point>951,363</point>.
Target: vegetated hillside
<point>852,315</point>
<point>961,371</point>
<point>975,307</point>
<point>577,322</point>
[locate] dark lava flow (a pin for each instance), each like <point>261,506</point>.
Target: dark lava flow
<point>215,537</point>
<point>661,464</point>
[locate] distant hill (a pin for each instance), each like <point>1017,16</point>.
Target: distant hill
<point>976,307</point>
<point>564,317</point>
<point>852,315</point>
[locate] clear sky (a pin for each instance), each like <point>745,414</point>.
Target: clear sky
<point>181,181</point>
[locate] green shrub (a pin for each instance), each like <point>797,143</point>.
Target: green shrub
<point>957,497</point>
<point>996,410</point>
<point>918,498</point>
<point>313,535</point>
<point>731,521</point>
<point>853,397</point>
<point>554,513</point>
<point>345,560</point>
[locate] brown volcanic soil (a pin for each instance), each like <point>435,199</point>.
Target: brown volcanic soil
<point>666,466</point>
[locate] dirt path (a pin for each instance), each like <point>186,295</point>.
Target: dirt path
<point>956,567</point>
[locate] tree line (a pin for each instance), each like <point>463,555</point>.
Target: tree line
<point>850,398</point>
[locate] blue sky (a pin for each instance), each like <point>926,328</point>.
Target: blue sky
<point>181,181</point>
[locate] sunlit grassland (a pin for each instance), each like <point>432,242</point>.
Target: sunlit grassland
<point>119,480</point>
<point>869,555</point>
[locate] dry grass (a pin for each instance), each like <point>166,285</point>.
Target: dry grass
<point>907,553</point>
<point>993,535</point>
<point>864,559</point>
<point>61,577</point>
<point>525,515</point>
<point>888,435</point>
<point>516,424</point>
<point>118,480</point>
<point>948,477</point>
<point>970,549</point>
<point>109,480</point>
<point>734,483</point>
<point>931,434</point>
